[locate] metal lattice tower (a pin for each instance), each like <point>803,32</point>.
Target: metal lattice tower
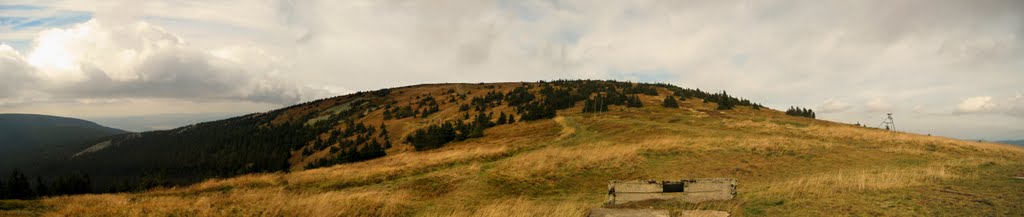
<point>888,123</point>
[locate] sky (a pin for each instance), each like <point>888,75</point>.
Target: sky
<point>943,67</point>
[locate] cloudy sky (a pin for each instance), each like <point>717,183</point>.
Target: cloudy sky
<point>951,68</point>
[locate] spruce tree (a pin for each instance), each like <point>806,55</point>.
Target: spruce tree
<point>588,106</point>
<point>634,102</point>
<point>41,189</point>
<point>670,102</point>
<point>17,186</point>
<point>3,189</point>
<point>502,119</point>
<point>725,102</point>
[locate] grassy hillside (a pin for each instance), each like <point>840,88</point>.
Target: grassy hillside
<point>785,165</point>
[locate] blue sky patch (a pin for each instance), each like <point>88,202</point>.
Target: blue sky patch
<point>11,21</point>
<point>19,7</point>
<point>56,21</point>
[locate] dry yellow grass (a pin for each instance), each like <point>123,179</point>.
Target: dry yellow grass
<point>517,207</point>
<point>879,138</point>
<point>554,161</point>
<point>567,131</point>
<point>262,202</point>
<point>841,182</point>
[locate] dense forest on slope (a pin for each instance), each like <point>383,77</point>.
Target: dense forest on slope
<point>345,129</point>
<point>28,139</point>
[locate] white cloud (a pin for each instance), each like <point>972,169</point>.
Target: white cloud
<point>878,105</point>
<point>978,104</point>
<point>140,60</point>
<point>1013,106</point>
<point>833,105</point>
<point>15,74</point>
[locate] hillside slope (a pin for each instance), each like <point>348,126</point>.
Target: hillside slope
<point>29,139</point>
<point>559,165</point>
<point>345,129</point>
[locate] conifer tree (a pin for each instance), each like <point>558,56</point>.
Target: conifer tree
<point>502,119</point>
<point>725,102</point>
<point>17,186</point>
<point>670,102</point>
<point>41,189</point>
<point>634,101</point>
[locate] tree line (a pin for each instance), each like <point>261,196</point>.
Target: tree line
<point>723,99</point>
<point>800,112</point>
<point>437,135</point>
<point>18,186</point>
<point>542,100</point>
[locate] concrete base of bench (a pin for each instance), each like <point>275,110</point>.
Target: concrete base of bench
<point>687,190</point>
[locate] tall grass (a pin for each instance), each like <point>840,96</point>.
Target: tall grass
<point>841,182</point>
<point>263,202</point>
<point>517,207</point>
<point>556,161</point>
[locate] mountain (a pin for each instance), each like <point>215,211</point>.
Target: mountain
<point>28,139</point>
<point>1013,142</point>
<point>535,149</point>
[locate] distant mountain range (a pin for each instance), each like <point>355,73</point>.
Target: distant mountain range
<point>1013,142</point>
<point>27,140</point>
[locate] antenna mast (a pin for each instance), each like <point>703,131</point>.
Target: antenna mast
<point>888,123</point>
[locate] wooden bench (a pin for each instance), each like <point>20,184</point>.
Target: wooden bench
<point>687,190</point>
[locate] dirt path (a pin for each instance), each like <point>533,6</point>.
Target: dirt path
<point>567,130</point>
